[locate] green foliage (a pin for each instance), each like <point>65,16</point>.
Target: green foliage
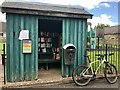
<point>101,26</point>
<point>100,29</point>
<point>1,47</point>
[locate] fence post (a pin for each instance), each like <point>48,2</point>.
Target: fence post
<point>106,51</point>
<point>98,44</point>
<point>4,64</point>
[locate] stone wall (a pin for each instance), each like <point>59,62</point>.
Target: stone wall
<point>112,39</point>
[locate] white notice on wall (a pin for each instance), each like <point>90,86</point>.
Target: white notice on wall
<point>24,34</point>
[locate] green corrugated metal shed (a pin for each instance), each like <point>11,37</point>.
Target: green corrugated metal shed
<point>24,16</point>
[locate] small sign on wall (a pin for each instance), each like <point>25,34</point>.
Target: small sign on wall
<point>24,34</point>
<point>27,46</point>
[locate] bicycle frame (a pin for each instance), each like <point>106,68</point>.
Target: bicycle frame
<point>83,74</point>
<point>90,66</point>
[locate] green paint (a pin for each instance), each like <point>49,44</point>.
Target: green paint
<point>73,32</point>
<point>63,43</point>
<point>36,47</point>
<point>11,51</point>
<point>7,48</point>
<point>33,51</point>
<point>16,48</point>
<point>75,39</point>
<point>21,27</point>
<point>84,39</point>
<point>21,66</point>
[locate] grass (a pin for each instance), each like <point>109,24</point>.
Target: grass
<point>1,47</point>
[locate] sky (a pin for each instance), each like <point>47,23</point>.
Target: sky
<point>104,11</point>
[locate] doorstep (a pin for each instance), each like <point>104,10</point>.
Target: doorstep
<point>41,82</point>
<point>36,82</point>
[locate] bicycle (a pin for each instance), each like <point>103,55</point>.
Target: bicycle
<point>83,74</point>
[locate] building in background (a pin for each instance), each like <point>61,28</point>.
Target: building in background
<point>2,31</point>
<point>112,34</point>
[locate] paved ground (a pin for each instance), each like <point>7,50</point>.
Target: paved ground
<point>98,83</point>
<point>50,75</point>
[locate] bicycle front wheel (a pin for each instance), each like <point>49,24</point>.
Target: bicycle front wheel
<point>110,73</point>
<point>81,75</point>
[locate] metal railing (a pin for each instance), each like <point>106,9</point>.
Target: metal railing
<point>103,48</point>
<point>4,62</point>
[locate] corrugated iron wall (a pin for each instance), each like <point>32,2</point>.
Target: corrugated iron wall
<point>21,66</point>
<point>25,66</point>
<point>74,31</point>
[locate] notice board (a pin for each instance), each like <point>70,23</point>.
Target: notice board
<point>27,46</point>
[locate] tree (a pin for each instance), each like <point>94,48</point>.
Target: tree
<point>101,26</point>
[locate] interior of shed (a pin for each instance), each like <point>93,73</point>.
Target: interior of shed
<point>49,45</point>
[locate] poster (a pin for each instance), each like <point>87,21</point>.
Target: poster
<point>24,34</point>
<point>27,46</point>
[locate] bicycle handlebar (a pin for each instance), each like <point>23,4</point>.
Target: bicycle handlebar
<point>104,54</point>
<point>111,54</point>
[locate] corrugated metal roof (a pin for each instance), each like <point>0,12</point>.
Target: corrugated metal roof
<point>112,30</point>
<point>45,7</point>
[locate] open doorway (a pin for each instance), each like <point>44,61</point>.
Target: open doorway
<point>49,48</point>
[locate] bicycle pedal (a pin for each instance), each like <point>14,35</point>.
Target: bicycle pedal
<point>93,78</point>
<point>94,75</point>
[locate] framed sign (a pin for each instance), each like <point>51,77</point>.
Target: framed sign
<point>27,46</point>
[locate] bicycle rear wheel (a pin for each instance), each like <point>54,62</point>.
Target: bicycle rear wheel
<point>110,73</point>
<point>81,75</point>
